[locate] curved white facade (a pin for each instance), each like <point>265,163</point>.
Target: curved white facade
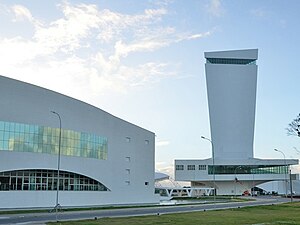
<point>125,167</point>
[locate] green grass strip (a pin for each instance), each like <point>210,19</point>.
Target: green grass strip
<point>288,213</point>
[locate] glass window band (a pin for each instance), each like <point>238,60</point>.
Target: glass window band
<point>41,139</point>
<point>248,169</point>
<point>47,180</point>
<point>231,61</point>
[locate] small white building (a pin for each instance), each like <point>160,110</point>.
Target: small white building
<point>231,78</point>
<point>104,159</point>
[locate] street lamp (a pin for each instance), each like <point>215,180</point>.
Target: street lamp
<point>57,205</point>
<point>284,171</point>
<point>235,179</point>
<point>291,184</point>
<point>213,161</point>
<point>253,172</point>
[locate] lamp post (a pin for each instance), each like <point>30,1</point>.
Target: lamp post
<point>284,171</point>
<point>253,189</point>
<point>253,186</point>
<point>57,205</point>
<point>291,184</point>
<point>213,162</point>
<point>235,179</point>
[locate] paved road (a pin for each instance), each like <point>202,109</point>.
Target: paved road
<point>41,218</point>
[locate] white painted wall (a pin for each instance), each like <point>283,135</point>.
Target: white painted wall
<point>225,183</point>
<point>231,93</point>
<point>26,103</point>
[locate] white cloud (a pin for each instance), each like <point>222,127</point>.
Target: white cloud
<point>152,42</point>
<point>114,24</point>
<point>122,50</point>
<point>87,46</point>
<point>214,8</point>
<point>161,143</point>
<point>21,13</point>
<point>18,51</point>
<point>66,34</point>
<point>162,2</point>
<point>123,78</point>
<point>194,36</point>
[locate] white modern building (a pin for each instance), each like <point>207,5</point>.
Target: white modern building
<point>279,187</point>
<point>104,160</point>
<point>231,78</point>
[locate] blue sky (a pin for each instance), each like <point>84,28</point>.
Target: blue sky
<point>143,61</point>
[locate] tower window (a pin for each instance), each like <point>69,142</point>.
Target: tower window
<point>230,61</point>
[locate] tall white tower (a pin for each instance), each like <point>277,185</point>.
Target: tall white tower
<point>231,78</point>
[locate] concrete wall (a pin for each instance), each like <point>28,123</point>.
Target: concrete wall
<point>29,104</point>
<point>231,93</point>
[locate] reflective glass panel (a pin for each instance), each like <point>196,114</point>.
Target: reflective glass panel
<point>248,169</point>
<point>46,180</point>
<point>40,139</point>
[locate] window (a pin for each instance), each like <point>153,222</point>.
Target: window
<point>128,139</point>
<point>202,167</point>
<point>127,171</point>
<point>40,139</point>
<point>127,159</point>
<point>146,183</point>
<point>191,167</point>
<point>179,167</point>
<point>46,180</point>
<point>127,182</point>
<point>248,169</point>
<point>230,61</point>
<point>146,142</point>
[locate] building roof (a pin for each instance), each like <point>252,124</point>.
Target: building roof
<point>161,176</point>
<point>233,54</point>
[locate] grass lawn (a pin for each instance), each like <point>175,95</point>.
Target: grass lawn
<point>288,213</point>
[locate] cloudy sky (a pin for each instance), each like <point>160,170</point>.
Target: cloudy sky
<point>143,61</point>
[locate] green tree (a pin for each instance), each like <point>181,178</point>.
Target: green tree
<point>294,127</point>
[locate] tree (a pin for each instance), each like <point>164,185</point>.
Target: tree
<point>294,127</point>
